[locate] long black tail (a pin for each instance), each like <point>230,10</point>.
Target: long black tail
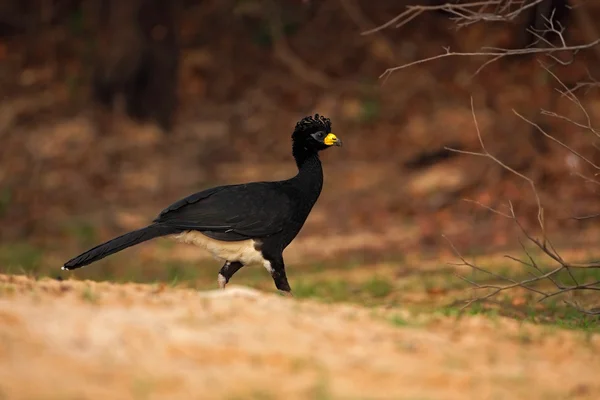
<point>119,243</point>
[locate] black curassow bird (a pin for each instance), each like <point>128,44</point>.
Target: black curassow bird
<point>244,223</point>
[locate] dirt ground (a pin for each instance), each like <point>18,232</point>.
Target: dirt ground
<point>89,340</point>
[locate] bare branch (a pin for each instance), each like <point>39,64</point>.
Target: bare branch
<point>463,14</point>
<point>545,245</point>
<point>542,131</point>
<point>571,96</point>
<point>556,268</point>
<point>486,154</point>
<point>493,10</point>
<point>587,217</point>
<point>595,311</point>
<point>496,53</point>
<point>483,205</point>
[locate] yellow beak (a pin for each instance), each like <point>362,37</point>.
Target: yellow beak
<point>331,140</point>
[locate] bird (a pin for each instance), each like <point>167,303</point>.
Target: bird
<point>245,223</point>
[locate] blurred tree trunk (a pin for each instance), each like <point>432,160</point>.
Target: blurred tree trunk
<point>12,18</point>
<point>137,59</point>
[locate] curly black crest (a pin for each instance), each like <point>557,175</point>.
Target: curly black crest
<point>313,124</point>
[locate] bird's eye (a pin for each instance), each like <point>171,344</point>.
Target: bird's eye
<point>318,136</point>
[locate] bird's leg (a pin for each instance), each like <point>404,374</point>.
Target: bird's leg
<point>277,269</point>
<point>227,271</point>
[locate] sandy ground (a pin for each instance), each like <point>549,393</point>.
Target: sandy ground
<point>86,340</point>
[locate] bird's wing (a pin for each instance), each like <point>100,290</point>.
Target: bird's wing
<point>233,212</point>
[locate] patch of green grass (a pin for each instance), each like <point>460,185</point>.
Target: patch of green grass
<point>569,318</point>
<point>581,275</point>
<point>127,267</point>
<point>371,292</point>
<point>426,291</point>
<point>477,308</point>
<point>442,278</point>
<point>554,314</point>
<point>325,290</point>
<point>377,287</point>
<point>398,320</point>
<point>20,257</point>
<point>337,290</point>
<point>449,311</point>
<point>304,289</point>
<point>177,272</point>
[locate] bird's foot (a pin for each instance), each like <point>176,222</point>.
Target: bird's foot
<point>222,281</point>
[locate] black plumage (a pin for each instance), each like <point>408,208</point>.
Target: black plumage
<point>244,223</point>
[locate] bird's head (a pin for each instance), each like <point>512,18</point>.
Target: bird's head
<point>314,134</point>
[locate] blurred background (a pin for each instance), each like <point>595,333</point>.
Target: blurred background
<point>111,110</point>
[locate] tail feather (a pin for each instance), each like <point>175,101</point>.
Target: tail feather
<point>119,243</point>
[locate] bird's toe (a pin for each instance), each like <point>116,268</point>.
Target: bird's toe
<point>222,281</point>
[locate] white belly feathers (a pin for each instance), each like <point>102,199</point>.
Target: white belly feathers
<point>242,251</point>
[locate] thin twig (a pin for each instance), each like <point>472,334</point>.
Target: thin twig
<point>497,53</point>
<point>463,14</point>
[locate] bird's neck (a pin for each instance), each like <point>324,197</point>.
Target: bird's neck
<point>302,155</point>
<point>310,171</point>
